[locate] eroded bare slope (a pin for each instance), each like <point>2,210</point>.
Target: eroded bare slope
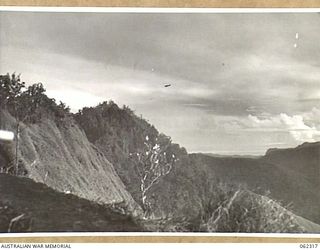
<point>62,157</point>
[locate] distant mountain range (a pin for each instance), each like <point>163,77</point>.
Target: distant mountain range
<point>291,175</point>
<point>230,156</point>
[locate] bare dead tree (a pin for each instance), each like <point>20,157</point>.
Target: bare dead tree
<point>221,211</point>
<point>13,221</point>
<point>152,164</point>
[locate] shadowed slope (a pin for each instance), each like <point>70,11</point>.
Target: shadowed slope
<point>46,210</point>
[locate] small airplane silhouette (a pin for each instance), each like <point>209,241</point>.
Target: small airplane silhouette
<point>167,85</point>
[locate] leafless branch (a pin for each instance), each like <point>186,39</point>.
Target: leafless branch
<point>14,220</point>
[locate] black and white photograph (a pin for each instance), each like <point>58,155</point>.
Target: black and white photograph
<point>159,121</point>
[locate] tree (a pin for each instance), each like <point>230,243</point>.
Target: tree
<point>21,104</point>
<point>12,87</point>
<point>152,163</point>
<point>61,110</point>
<point>30,101</point>
<point>4,89</point>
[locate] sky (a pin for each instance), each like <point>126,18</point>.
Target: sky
<point>240,83</point>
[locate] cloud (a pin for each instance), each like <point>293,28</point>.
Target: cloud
<point>218,60</point>
<point>311,118</point>
<point>233,87</point>
<point>295,125</point>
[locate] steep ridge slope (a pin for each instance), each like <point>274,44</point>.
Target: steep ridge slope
<point>302,165</point>
<point>43,209</point>
<point>118,133</point>
<point>304,160</point>
<point>60,156</point>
